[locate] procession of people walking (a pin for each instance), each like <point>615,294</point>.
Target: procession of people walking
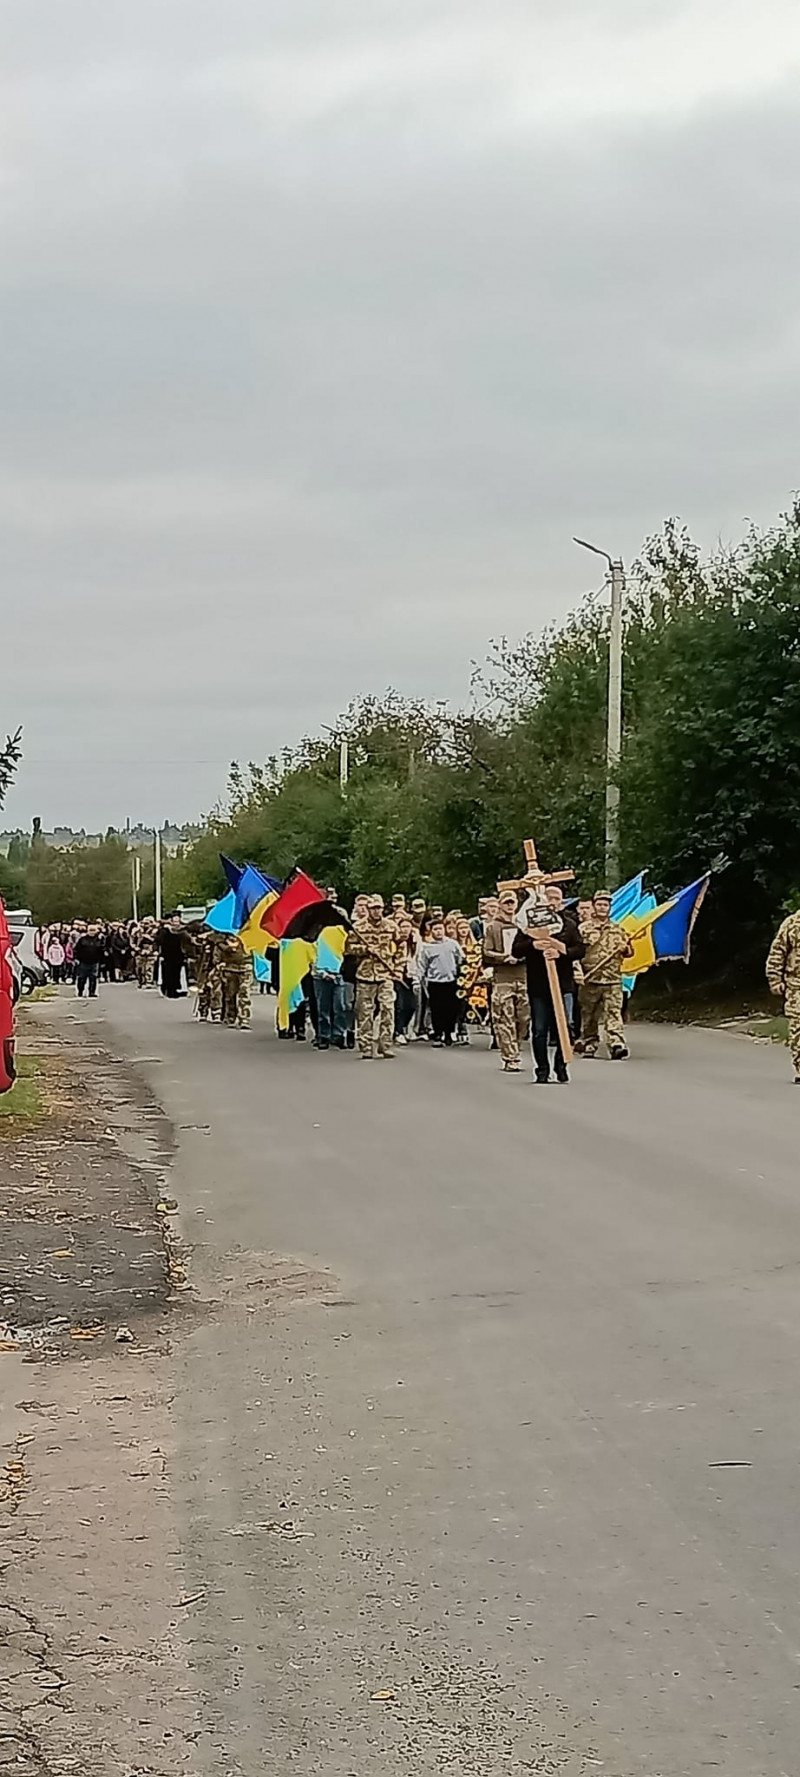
<point>411,974</point>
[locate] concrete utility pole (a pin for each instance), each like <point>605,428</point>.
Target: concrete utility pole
<point>614,730</point>
<point>157,862</point>
<point>344,758</point>
<point>136,883</point>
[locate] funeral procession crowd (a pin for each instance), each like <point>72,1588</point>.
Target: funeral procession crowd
<point>411,973</point>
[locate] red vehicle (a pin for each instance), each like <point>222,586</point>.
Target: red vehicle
<point>7,996</point>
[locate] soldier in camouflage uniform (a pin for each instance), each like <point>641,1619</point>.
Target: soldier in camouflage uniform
<point>373,941</point>
<point>601,994</point>
<point>145,951</point>
<point>237,974</point>
<point>202,951</point>
<point>783,975</point>
<point>510,1006</point>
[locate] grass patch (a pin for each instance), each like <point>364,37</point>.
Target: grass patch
<point>41,993</point>
<point>771,1030</point>
<point>24,1103</point>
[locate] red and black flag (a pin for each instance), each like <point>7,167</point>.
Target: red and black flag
<point>301,910</point>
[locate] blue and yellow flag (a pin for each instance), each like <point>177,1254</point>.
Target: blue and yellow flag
<point>626,899</point>
<point>296,959</point>
<point>222,916</point>
<point>240,911</point>
<point>329,949</point>
<point>254,894</point>
<point>664,934</point>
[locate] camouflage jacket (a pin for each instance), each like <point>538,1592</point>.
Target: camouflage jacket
<point>606,949</point>
<point>377,951</point>
<point>234,958</point>
<point>143,942</point>
<point>783,962</point>
<point>201,948</point>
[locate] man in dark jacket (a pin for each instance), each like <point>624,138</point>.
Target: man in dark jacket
<point>562,935</point>
<point>87,956</point>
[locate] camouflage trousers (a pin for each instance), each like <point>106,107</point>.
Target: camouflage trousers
<point>225,998</point>
<point>236,1000</point>
<point>601,1007</point>
<point>375,997</point>
<point>792,1009</point>
<point>145,968</point>
<point>511,1016</point>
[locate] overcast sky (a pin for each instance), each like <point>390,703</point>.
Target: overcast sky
<point>325,323</point>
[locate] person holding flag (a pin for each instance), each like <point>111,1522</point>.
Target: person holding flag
<point>607,946</point>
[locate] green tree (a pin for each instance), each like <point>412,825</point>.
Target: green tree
<point>12,884</point>
<point>440,802</point>
<point>10,756</point>
<point>80,882</point>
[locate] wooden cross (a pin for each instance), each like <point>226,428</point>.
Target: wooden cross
<point>534,880</point>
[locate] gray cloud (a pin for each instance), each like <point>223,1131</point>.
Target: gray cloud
<point>322,333</point>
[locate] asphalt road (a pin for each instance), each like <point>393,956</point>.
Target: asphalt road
<point>511,1435</point>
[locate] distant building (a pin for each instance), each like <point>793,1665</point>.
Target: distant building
<point>136,837</point>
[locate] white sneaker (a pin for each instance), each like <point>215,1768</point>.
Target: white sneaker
<point>402,1040</point>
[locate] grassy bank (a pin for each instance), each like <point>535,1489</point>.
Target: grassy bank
<point>24,1104</point>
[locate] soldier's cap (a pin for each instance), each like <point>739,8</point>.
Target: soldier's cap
<point>602,895</point>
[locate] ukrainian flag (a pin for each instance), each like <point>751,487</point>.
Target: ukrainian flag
<point>664,934</point>
<point>296,959</point>
<point>222,916</point>
<point>329,949</point>
<point>251,893</point>
<point>647,904</point>
<point>627,899</point>
<point>252,933</point>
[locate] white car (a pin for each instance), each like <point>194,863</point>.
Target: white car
<point>16,974</point>
<point>29,969</point>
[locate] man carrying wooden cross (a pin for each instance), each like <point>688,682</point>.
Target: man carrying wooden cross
<point>542,930</point>
<point>551,937</point>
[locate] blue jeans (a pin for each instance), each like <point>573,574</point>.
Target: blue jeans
<point>86,976</point>
<point>331,1011</point>
<point>405,1005</point>
<point>544,1032</point>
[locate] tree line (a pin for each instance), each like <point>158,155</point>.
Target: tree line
<point>438,802</point>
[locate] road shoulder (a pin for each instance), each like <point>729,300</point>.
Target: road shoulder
<point>92,1657</point>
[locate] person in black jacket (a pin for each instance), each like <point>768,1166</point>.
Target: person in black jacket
<point>561,932</point>
<point>172,951</point>
<point>87,956</point>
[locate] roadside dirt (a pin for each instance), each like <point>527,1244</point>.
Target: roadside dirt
<point>94,1677</point>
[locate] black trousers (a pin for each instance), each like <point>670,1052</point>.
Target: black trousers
<point>544,1034</point>
<point>442,998</point>
<point>171,971</point>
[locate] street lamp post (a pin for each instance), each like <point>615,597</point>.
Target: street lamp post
<point>614,728</point>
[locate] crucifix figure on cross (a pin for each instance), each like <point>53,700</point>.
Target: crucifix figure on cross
<point>542,925</point>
